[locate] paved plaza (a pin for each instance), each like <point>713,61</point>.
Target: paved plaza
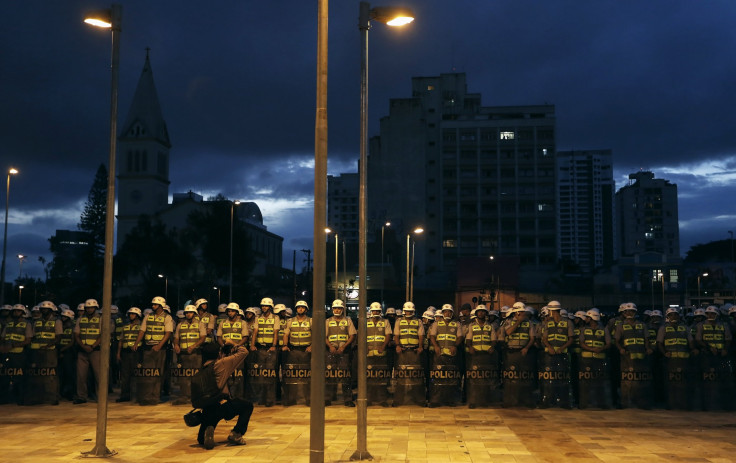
<point>404,434</point>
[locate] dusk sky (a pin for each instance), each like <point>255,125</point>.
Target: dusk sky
<point>651,80</point>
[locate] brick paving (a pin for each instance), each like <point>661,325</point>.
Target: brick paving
<point>405,434</point>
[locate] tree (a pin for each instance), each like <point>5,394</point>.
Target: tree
<point>94,214</point>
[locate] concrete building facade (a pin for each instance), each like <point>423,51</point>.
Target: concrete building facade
<point>479,180</point>
<point>585,192</point>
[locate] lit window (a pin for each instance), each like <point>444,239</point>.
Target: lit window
<point>449,244</point>
<point>507,135</point>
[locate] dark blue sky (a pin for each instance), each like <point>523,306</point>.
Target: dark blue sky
<point>653,81</point>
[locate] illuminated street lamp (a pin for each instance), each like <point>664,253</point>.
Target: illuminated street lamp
<point>392,16</point>
<point>109,19</point>
<point>328,231</point>
<point>218,294</point>
<point>20,293</point>
<point>410,265</point>
<point>166,285</point>
<point>699,294</point>
<point>21,259</point>
<point>11,171</point>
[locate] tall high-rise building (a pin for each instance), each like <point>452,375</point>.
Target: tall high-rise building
<point>342,205</point>
<point>479,179</point>
<point>585,191</point>
<point>647,216</point>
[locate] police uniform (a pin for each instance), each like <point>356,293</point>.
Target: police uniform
<point>188,333</point>
<point>67,361</point>
<point>266,367</point>
<point>42,381</point>
<point>714,337</point>
<point>128,358</point>
<point>519,363</point>
<point>554,372</point>
<point>296,370</point>
<point>636,372</point>
<point>339,331</point>
<point>410,382</point>
<point>674,341</point>
<point>208,321</point>
<point>154,327</point>
<point>445,373</point>
<point>378,331</point>
<point>17,334</point>
<point>593,368</point>
<point>482,373</point>
<point>236,332</point>
<point>88,335</point>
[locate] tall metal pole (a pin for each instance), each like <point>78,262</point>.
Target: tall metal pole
<point>337,280</point>
<point>411,280</point>
<point>733,270</point>
<point>383,228</point>
<point>100,449</point>
<point>407,267</point>
<point>362,406</point>
<point>317,388</point>
<point>5,237</point>
<point>230,279</point>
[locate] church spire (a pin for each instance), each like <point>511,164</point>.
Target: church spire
<point>145,119</point>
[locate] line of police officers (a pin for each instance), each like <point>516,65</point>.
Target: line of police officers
<point>517,357</point>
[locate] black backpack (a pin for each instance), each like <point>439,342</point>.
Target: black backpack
<point>205,392</point>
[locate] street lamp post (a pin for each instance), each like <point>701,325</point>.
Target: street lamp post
<point>21,259</point>
<point>409,261</point>
<point>733,270</point>
<point>699,294</point>
<point>337,286</point>
<point>232,215</point>
<point>391,16</point>
<point>11,171</point>
<point>166,285</point>
<point>218,294</point>
<point>20,294</point>
<point>317,387</point>
<point>383,228</point>
<point>111,19</point>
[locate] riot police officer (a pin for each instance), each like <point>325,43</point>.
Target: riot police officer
<point>87,334</point>
<point>445,336</point>
<point>155,332</point>
<point>42,382</point>
<point>675,343</point>
<point>482,375</point>
<point>554,373</point>
<point>714,338</point>
<point>409,337</point>
<point>632,341</point>
<point>519,362</point>
<point>297,349</point>
<point>593,368</point>
<point>126,357</point>
<point>340,334</point>
<point>264,344</point>
<point>189,336</point>
<point>17,334</point>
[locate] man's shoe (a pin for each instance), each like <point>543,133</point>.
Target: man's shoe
<point>79,401</point>
<point>349,403</point>
<point>236,438</point>
<point>209,438</point>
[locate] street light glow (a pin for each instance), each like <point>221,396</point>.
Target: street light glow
<point>418,230</point>
<point>12,171</point>
<point>101,18</point>
<point>392,16</point>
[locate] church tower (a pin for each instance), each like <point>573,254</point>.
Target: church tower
<point>143,157</point>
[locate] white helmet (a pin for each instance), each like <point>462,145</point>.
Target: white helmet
<point>80,307</point>
<point>432,309</point>
<point>233,306</point>
<point>563,312</point>
<point>338,304</point>
<point>136,311</point>
<point>428,315</point>
<point>594,314</point>
<point>278,308</point>
<point>409,306</point>
<point>67,313</point>
<point>167,308</point>
<point>35,308</point>
<point>505,311</point>
<point>200,302</point>
<point>627,306</point>
<point>672,310</point>
<point>699,312</point>
<point>240,312</point>
<point>399,313</point>
<point>6,307</point>
<point>179,314</point>
<point>580,314</point>
<point>47,305</point>
<point>158,300</point>
<point>289,312</point>
<point>656,313</point>
<point>266,301</point>
<point>477,308</point>
<point>301,304</point>
<point>376,306</point>
<point>711,309</point>
<point>114,309</point>
<point>517,307</point>
<point>19,307</point>
<point>254,310</point>
<point>648,312</point>
<point>62,307</point>
<point>91,303</point>
<point>190,308</point>
<point>732,310</point>
<point>493,313</point>
<point>148,311</point>
<point>554,305</point>
<point>221,308</point>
